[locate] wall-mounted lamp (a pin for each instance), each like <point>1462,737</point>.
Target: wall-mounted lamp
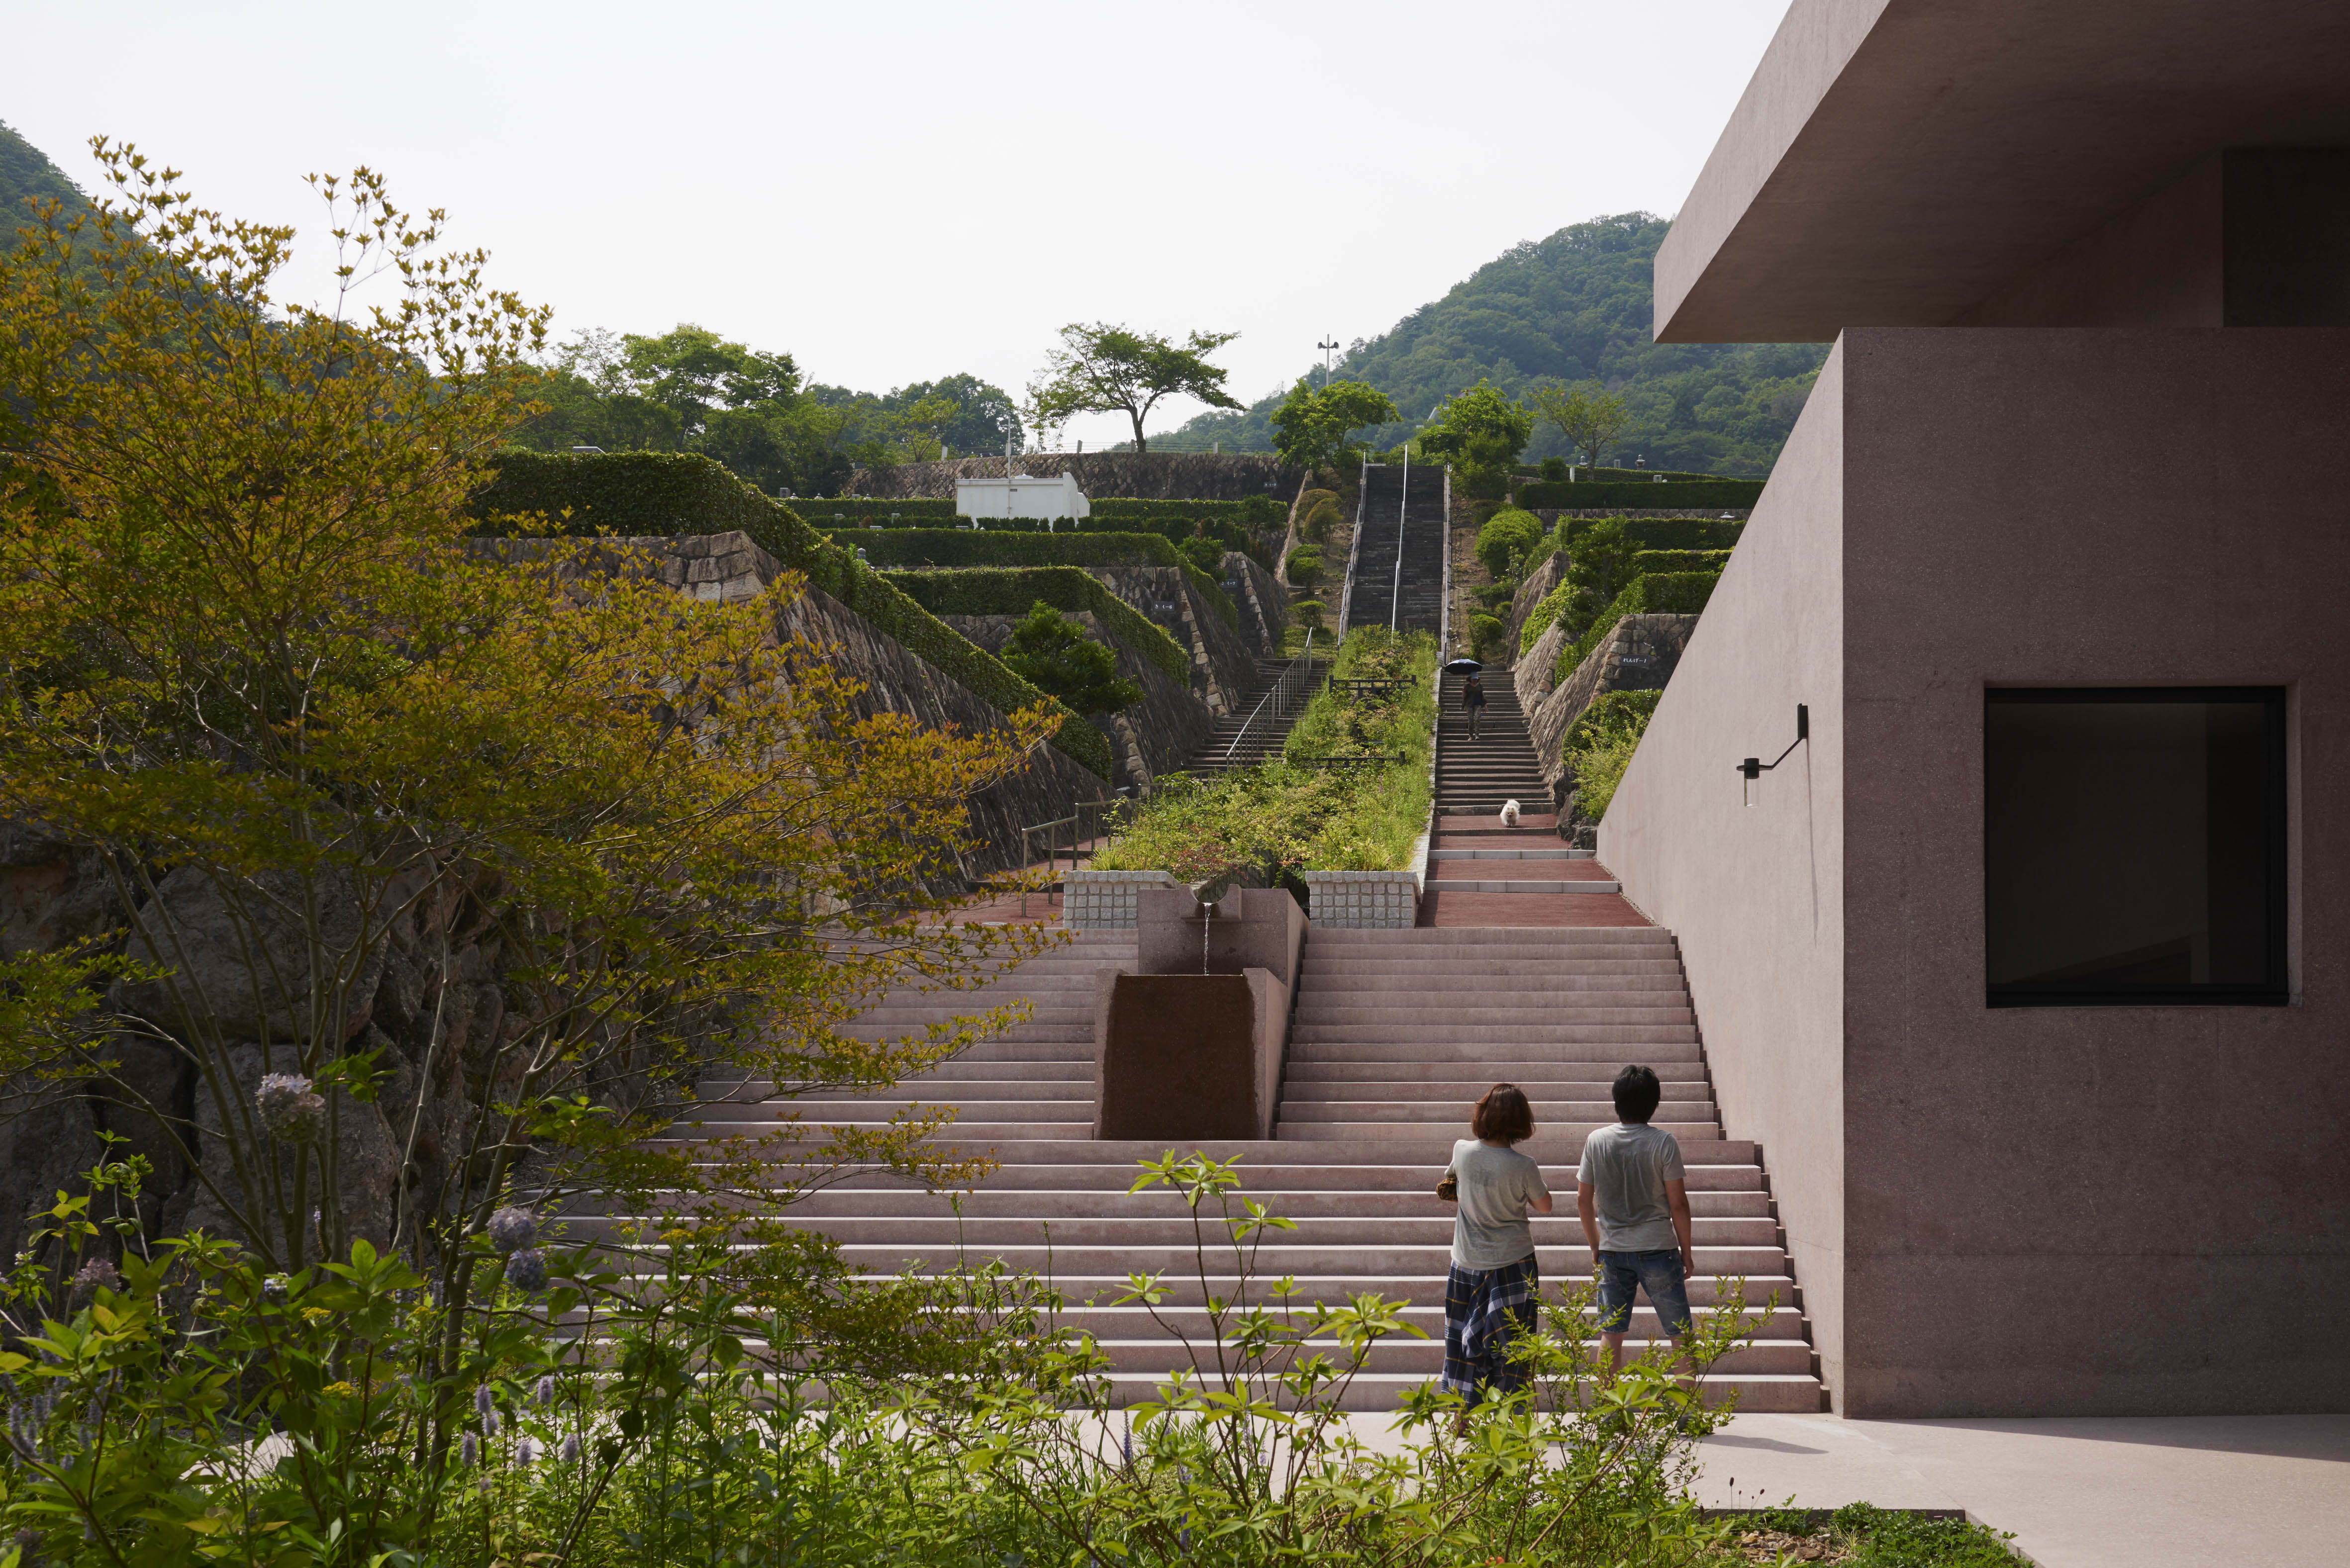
<point>1751,770</point>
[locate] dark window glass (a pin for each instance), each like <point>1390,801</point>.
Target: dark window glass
<point>2133,846</point>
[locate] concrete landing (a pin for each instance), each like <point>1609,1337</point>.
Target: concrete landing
<point>2152,1492</point>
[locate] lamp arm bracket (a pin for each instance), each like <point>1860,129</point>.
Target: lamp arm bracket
<point>1754,767</point>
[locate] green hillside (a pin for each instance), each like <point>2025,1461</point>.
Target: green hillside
<point>28,175</point>
<point>1571,308</point>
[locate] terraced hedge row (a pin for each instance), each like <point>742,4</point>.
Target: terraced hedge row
<point>894,548</point>
<point>1013,590</point>
<point>1665,593</point>
<point>666,494</point>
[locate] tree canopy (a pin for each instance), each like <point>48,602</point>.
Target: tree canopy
<point>1591,418</point>
<point>1312,426</point>
<point>1480,433</point>
<point>1101,368</point>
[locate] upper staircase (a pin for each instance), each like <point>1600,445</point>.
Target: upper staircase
<point>1403,518</point>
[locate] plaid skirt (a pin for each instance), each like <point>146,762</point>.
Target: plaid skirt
<point>1484,1309</point>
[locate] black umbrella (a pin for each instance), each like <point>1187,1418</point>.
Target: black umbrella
<point>1464,665</point>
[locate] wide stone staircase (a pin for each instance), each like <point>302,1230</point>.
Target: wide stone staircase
<point>1402,517</point>
<point>1397,1033</point>
<point>1475,777</point>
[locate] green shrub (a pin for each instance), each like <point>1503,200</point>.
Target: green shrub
<point>1054,652</point>
<point>1657,532</point>
<point>895,547</point>
<point>1012,590</point>
<point>1309,613</point>
<point>1485,633</point>
<point>1714,495</point>
<point>1508,535</point>
<point>1672,593</point>
<point>1305,567</point>
<point>667,495</point>
<point>1322,519</point>
<point>1599,746</point>
<point>1645,562</point>
<point>1204,554</point>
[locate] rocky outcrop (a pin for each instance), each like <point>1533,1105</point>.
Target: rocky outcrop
<point>1638,655</point>
<point>1149,476</point>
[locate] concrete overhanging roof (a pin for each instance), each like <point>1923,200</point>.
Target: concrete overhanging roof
<point>1894,162</point>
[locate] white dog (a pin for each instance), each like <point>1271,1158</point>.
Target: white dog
<point>1509,814</point>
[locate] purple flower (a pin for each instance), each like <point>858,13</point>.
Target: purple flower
<point>525,1451</point>
<point>468,1450</point>
<point>488,1423</point>
<point>98,1273</point>
<point>513,1229</point>
<point>545,1392</point>
<point>527,1272</point>
<point>289,1109</point>
<point>484,1402</point>
<point>571,1447</point>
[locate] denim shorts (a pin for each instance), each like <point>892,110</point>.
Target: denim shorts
<point>1658,1274</point>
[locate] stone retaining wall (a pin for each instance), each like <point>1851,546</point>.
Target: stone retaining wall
<point>1364,900</point>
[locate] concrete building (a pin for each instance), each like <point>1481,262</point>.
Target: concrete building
<point>1022,496</point>
<point>2030,965</point>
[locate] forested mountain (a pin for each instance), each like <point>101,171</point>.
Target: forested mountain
<point>28,175</point>
<point>1576,307</point>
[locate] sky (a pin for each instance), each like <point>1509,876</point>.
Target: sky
<point>896,192</point>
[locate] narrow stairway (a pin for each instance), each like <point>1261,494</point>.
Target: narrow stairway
<point>1398,1033</point>
<point>1473,777</point>
<point>1259,731</point>
<point>1402,517</point>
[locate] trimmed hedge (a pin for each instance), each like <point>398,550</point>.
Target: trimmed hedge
<point>1667,593</point>
<point>1257,511</point>
<point>1659,532</point>
<point>1739,493</point>
<point>1546,610</point>
<point>667,494</point>
<point>1013,590</point>
<point>891,547</point>
<point>1648,562</point>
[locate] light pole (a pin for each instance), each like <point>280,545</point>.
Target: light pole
<point>1325,348</point>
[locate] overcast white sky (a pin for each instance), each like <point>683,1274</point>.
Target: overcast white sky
<point>894,193</point>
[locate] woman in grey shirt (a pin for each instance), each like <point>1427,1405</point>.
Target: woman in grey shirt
<point>1490,1295</point>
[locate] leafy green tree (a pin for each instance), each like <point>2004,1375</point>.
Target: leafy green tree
<point>692,372</point>
<point>1480,433</point>
<point>1598,568</point>
<point>1305,569</point>
<point>983,414</point>
<point>1507,537</point>
<point>1053,653</point>
<point>1103,369</point>
<point>1590,417</point>
<point>1311,427</point>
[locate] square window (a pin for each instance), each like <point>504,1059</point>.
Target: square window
<point>2133,846</point>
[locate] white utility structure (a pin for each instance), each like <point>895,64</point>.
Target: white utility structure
<point>1021,497</point>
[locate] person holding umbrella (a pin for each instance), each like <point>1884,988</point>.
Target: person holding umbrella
<point>1472,690</point>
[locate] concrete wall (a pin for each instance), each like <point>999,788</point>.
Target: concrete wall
<point>1755,893</point>
<point>2044,1211</point>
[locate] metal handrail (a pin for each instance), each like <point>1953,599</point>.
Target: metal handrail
<point>1284,692</point>
<point>1074,823</point>
<point>1355,544</point>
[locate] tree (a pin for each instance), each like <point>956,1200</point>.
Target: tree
<point>1480,433</point>
<point>983,414</point>
<point>1311,427</point>
<point>1103,369</point>
<point>1205,553</point>
<point>1304,569</point>
<point>1054,652</point>
<point>340,768</point>
<point>1590,417</point>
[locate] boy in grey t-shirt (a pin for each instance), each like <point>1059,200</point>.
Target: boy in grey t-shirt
<point>1633,1198</point>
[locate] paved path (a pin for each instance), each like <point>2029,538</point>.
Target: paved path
<point>2128,1492</point>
